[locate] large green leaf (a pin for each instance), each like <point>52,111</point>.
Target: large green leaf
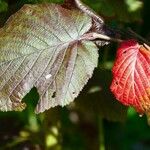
<point>41,47</point>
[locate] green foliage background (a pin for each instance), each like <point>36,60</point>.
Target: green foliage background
<point>95,121</point>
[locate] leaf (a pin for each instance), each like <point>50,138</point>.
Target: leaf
<point>131,75</point>
<point>41,47</point>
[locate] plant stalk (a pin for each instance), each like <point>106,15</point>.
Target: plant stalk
<point>94,36</point>
<point>101,134</point>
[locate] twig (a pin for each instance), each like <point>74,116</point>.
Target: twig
<point>83,7</point>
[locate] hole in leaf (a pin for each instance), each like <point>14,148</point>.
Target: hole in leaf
<point>124,52</point>
<point>31,99</point>
<point>54,95</point>
<point>116,83</point>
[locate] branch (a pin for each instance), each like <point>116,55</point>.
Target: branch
<point>88,10</point>
<point>84,8</point>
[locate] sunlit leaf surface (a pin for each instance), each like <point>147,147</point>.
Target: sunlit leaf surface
<point>40,47</point>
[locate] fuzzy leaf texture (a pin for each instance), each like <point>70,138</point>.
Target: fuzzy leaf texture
<point>131,76</point>
<point>41,47</point>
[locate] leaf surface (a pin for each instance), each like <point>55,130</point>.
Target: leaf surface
<point>131,75</point>
<point>41,47</point>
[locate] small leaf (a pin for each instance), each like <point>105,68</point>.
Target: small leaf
<point>131,76</point>
<point>41,47</point>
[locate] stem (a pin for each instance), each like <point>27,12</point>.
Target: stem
<point>94,36</point>
<point>105,37</point>
<point>101,134</point>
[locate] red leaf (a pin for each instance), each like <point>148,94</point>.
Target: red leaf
<point>131,75</point>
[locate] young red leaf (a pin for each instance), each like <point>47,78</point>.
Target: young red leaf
<point>131,76</point>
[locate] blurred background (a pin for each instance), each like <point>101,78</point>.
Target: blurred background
<point>95,120</point>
